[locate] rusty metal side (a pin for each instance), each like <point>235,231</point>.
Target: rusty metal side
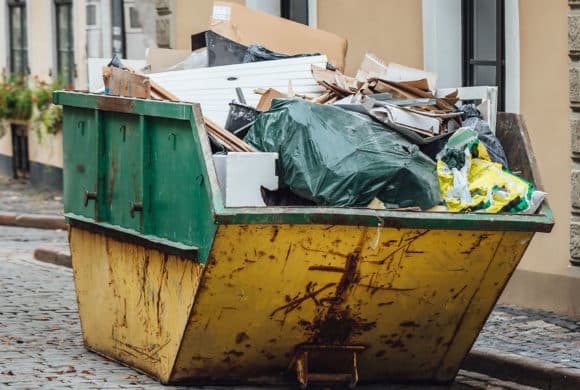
<point>415,299</point>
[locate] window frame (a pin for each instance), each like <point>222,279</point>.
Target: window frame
<point>469,62</point>
<point>59,6</point>
<point>23,50</point>
<point>286,11</point>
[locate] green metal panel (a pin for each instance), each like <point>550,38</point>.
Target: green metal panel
<point>124,173</point>
<point>145,153</point>
<point>81,159</point>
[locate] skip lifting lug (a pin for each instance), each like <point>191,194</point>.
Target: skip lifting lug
<point>89,196</point>
<point>327,364</point>
<point>135,207</point>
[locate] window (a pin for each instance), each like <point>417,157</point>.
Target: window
<point>132,18</point>
<point>483,24</point>
<point>18,37</point>
<point>92,15</point>
<point>64,41</point>
<point>296,10</point>
<point>134,21</point>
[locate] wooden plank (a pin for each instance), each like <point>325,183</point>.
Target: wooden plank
<point>119,82</point>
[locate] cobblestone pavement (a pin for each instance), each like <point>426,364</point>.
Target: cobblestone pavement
<point>19,196</point>
<point>533,334</point>
<point>41,343</point>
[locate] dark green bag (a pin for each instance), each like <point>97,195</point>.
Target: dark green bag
<point>340,158</point>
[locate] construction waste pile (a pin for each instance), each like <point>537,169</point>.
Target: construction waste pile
<point>288,128</point>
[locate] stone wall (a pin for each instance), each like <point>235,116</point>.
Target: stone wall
<point>574,93</point>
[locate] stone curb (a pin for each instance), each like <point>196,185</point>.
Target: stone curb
<point>38,221</point>
<point>54,256</point>
<point>521,370</point>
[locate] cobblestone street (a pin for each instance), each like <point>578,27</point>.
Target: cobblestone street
<point>41,343</point>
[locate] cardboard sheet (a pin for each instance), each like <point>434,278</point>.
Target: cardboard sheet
<point>247,26</point>
<point>373,67</point>
<point>160,59</point>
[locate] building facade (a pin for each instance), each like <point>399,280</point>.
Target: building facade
<point>530,50</point>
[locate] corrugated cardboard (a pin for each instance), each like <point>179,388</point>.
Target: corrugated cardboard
<point>247,26</point>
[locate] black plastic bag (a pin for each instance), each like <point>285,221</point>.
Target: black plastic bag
<point>256,53</point>
<point>472,118</point>
<point>339,158</point>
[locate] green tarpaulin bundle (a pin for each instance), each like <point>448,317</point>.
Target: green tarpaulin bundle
<point>340,158</point>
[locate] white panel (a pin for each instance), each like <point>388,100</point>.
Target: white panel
<point>214,88</point>
<point>241,175</point>
<point>270,6</point>
<point>313,13</point>
<point>512,56</point>
<point>442,40</point>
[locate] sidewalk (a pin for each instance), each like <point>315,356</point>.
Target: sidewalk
<point>22,205</point>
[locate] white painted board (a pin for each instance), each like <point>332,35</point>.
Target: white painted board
<point>214,88</point>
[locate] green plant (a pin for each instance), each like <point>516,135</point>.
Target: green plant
<point>31,100</point>
<point>16,98</point>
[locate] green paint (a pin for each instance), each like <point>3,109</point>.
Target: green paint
<point>133,157</point>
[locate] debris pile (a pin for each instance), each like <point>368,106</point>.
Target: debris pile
<point>385,138</point>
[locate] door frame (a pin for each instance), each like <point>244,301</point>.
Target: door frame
<point>442,46</point>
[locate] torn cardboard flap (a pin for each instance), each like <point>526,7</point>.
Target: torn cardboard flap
<point>373,67</point>
<point>248,26</point>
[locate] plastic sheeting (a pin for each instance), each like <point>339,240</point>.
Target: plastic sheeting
<point>256,53</point>
<point>340,158</point>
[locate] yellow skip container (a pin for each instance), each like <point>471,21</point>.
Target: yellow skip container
<point>174,284</point>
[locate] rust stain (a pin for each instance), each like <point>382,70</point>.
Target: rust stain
<point>326,268</point>
<point>476,244</point>
<point>274,233</point>
<point>459,292</point>
<point>287,256</point>
<point>241,337</point>
<point>112,181</point>
<point>337,254</point>
<point>294,303</point>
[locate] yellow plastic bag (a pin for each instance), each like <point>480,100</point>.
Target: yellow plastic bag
<point>470,181</point>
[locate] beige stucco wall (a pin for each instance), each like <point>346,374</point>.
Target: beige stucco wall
<point>80,43</point>
<point>544,105</point>
<point>5,140</point>
<point>42,45</point>
<point>545,278</point>
<point>47,151</point>
<point>392,29</point>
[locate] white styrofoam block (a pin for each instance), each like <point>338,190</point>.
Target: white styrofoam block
<point>241,174</point>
